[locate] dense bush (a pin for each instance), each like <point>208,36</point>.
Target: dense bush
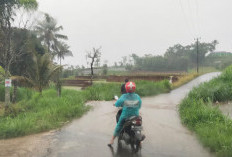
<point>199,114</point>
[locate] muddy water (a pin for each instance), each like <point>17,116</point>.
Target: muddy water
<point>89,135</point>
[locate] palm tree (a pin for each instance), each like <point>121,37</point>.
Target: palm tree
<point>48,32</point>
<point>40,73</point>
<point>62,50</point>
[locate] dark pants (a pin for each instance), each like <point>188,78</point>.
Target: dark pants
<point>118,115</point>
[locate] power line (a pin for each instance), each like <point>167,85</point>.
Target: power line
<point>186,19</point>
<point>191,16</point>
<point>198,17</point>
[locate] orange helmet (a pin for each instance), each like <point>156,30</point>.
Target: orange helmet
<point>130,87</point>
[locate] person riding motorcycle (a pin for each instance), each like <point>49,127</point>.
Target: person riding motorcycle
<point>130,103</point>
<point>123,87</point>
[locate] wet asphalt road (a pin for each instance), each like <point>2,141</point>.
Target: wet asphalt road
<point>166,137</point>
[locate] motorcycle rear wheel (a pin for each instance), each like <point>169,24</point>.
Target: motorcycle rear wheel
<point>135,146</point>
<point>119,142</point>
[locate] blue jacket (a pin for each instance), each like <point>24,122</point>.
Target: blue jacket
<point>130,103</point>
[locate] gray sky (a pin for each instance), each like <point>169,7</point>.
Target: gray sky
<point>123,27</point>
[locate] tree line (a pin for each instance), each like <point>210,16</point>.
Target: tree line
<point>179,58</point>
<point>176,58</point>
<point>27,54</point>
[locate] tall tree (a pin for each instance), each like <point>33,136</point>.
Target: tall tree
<point>93,55</point>
<point>25,41</point>
<point>8,10</point>
<point>62,50</point>
<point>48,32</point>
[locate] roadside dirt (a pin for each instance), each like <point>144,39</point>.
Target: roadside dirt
<point>29,146</point>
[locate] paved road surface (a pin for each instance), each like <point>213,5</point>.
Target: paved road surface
<point>89,135</point>
<point>166,137</point>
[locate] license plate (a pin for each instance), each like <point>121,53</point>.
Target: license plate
<point>136,127</point>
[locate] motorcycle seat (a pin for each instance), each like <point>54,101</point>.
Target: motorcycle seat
<point>132,118</point>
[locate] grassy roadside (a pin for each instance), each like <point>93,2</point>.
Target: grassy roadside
<point>184,79</point>
<point>199,114</point>
<point>35,113</point>
<point>42,113</point>
<point>191,75</point>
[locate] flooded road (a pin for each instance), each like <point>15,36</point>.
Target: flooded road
<point>165,135</point>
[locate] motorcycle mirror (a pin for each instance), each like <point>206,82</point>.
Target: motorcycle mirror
<point>116,97</point>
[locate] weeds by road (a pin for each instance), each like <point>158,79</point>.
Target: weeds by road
<point>198,113</point>
<point>42,113</point>
<point>184,79</point>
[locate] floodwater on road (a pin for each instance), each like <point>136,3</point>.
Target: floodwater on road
<point>89,135</point>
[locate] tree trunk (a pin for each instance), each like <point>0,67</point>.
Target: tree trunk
<point>7,91</point>
<point>48,47</point>
<point>40,90</point>
<point>14,96</point>
<point>59,83</point>
<point>58,86</point>
<point>91,65</point>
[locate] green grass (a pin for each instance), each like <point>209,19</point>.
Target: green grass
<point>102,91</point>
<point>149,88</point>
<point>203,70</point>
<point>199,114</point>
<point>191,75</point>
<point>35,113</point>
<point>42,113</point>
<point>22,93</point>
<point>106,91</point>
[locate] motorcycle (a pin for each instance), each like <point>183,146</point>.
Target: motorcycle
<point>131,133</point>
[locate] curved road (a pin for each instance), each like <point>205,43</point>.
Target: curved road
<point>165,135</point>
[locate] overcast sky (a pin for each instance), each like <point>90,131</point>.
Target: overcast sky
<point>123,27</point>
